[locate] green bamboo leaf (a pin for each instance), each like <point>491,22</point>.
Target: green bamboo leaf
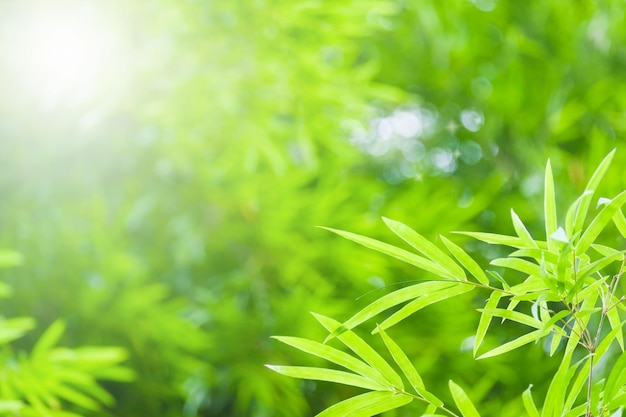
<point>592,185</point>
<point>521,231</point>
<point>617,377</point>
<point>336,356</point>
<point>555,397</point>
<point>554,343</point>
<point>599,222</point>
<point>512,345</point>
<point>549,206</point>
<point>366,405</point>
<point>574,208</point>
<point>424,301</point>
<point>529,404</point>
<point>328,375</point>
<point>395,252</point>
<point>485,320</point>
<point>363,350</point>
<point>470,264</point>
<point>620,222</point>
<point>537,254</point>
<point>423,245</point>
<point>391,300</point>
<point>517,264</point>
<point>500,279</point>
<point>514,315</point>
<point>615,322</point>
<point>403,362</point>
<point>550,324</point>
<point>462,401</point>
<point>496,239</point>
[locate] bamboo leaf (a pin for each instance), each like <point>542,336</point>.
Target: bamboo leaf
<point>599,222</point>
<point>615,322</point>
<point>517,264</point>
<point>537,254</point>
<point>515,316</point>
<point>592,185</point>
<point>521,231</point>
<point>422,302</point>
<point>512,345</point>
<point>328,375</point>
<point>549,206</point>
<point>529,404</point>
<point>485,320</point>
<point>617,377</point>
<point>395,252</point>
<point>366,405</point>
<point>48,339</point>
<point>467,261</point>
<point>336,356</point>
<point>496,239</point>
<point>462,401</point>
<point>391,300</point>
<point>363,350</point>
<point>408,369</point>
<point>423,245</point>
<point>620,222</point>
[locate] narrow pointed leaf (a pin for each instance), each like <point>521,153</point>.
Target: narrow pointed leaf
<point>517,264</point>
<point>423,245</point>
<point>403,362</point>
<point>620,222</point>
<point>537,254</point>
<point>363,350</point>
<point>336,356</point>
<point>467,261</point>
<point>549,206</point>
<point>592,185</point>
<point>366,405</point>
<point>391,300</point>
<point>462,401</point>
<point>529,404</point>
<point>514,316</point>
<point>512,345</point>
<point>599,222</point>
<point>496,239</point>
<point>485,320</point>
<point>521,231</point>
<point>424,301</point>
<point>48,339</point>
<point>615,322</point>
<point>395,252</point>
<point>328,375</point>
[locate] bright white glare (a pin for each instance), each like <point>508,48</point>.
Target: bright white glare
<point>59,55</point>
<point>472,120</point>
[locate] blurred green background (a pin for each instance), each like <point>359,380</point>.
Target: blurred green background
<point>163,165</point>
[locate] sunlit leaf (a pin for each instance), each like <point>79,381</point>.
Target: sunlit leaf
<point>423,245</point>
<point>529,404</point>
<point>48,339</point>
<point>393,299</point>
<point>517,264</point>
<point>336,356</point>
<point>403,362</point>
<point>485,320</point>
<point>514,316</point>
<point>328,375</point>
<point>395,252</point>
<point>521,230</point>
<point>424,301</point>
<point>549,206</point>
<point>512,345</point>
<point>496,239</point>
<point>467,261</point>
<point>462,401</point>
<point>366,405</point>
<point>599,222</point>
<point>592,185</point>
<point>363,350</point>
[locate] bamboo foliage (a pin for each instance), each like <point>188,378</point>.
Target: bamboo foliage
<point>570,284</point>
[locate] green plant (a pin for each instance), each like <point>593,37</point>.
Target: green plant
<point>52,381</point>
<point>568,290</point>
